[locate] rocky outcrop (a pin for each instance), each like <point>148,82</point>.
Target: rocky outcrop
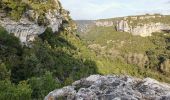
<point>141,28</point>
<point>84,26</point>
<point>24,29</point>
<point>97,87</point>
<point>143,25</point>
<point>29,26</point>
<point>123,26</point>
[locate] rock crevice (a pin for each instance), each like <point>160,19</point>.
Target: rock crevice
<point>112,87</point>
<point>33,23</point>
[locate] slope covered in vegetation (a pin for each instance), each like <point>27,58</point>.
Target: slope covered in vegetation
<point>15,8</point>
<point>53,60</point>
<point>128,54</point>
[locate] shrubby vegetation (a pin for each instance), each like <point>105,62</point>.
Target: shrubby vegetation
<point>15,8</point>
<point>10,91</point>
<point>54,60</point>
<point>160,53</point>
<point>124,53</point>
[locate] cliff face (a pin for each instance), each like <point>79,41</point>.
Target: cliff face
<point>85,25</point>
<point>32,22</point>
<point>114,87</point>
<point>142,25</point>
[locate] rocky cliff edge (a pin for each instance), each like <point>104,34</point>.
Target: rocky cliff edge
<point>112,87</point>
<point>34,20</point>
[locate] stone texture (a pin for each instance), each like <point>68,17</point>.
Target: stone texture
<point>84,26</point>
<point>124,24</point>
<point>141,29</point>
<point>22,29</point>
<point>27,27</point>
<point>112,87</point>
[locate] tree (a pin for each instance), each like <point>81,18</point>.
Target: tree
<point>9,91</point>
<point>41,86</point>
<point>4,73</point>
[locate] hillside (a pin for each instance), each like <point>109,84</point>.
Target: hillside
<point>28,19</point>
<point>128,53</point>
<point>142,25</point>
<point>41,50</point>
<point>39,55</point>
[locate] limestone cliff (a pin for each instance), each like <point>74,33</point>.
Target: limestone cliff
<point>34,20</point>
<point>114,87</point>
<point>143,25</point>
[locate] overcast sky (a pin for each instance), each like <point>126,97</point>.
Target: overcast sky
<point>98,9</point>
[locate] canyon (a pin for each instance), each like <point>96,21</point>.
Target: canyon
<point>141,25</point>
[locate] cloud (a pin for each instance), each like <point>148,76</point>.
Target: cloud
<point>97,9</point>
<point>168,2</point>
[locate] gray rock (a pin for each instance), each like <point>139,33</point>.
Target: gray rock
<point>22,29</point>
<point>141,29</point>
<point>136,25</point>
<point>27,28</point>
<point>113,87</point>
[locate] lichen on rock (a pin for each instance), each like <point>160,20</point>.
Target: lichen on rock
<point>112,87</point>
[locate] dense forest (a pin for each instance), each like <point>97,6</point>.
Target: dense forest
<point>128,54</point>
<point>56,60</point>
<point>51,62</point>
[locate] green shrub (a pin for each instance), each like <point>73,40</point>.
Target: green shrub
<point>41,86</point>
<point>9,91</point>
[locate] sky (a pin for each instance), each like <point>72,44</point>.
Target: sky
<point>100,9</point>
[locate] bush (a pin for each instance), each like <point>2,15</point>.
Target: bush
<point>4,73</point>
<point>9,91</point>
<point>41,86</point>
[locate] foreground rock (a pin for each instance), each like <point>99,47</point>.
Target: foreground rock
<point>114,87</point>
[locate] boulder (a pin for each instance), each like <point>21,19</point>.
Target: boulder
<point>112,87</point>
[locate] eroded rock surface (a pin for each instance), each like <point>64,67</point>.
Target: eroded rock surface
<point>29,25</point>
<point>97,87</point>
<point>142,25</point>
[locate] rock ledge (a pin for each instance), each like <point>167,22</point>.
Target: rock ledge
<point>112,87</point>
